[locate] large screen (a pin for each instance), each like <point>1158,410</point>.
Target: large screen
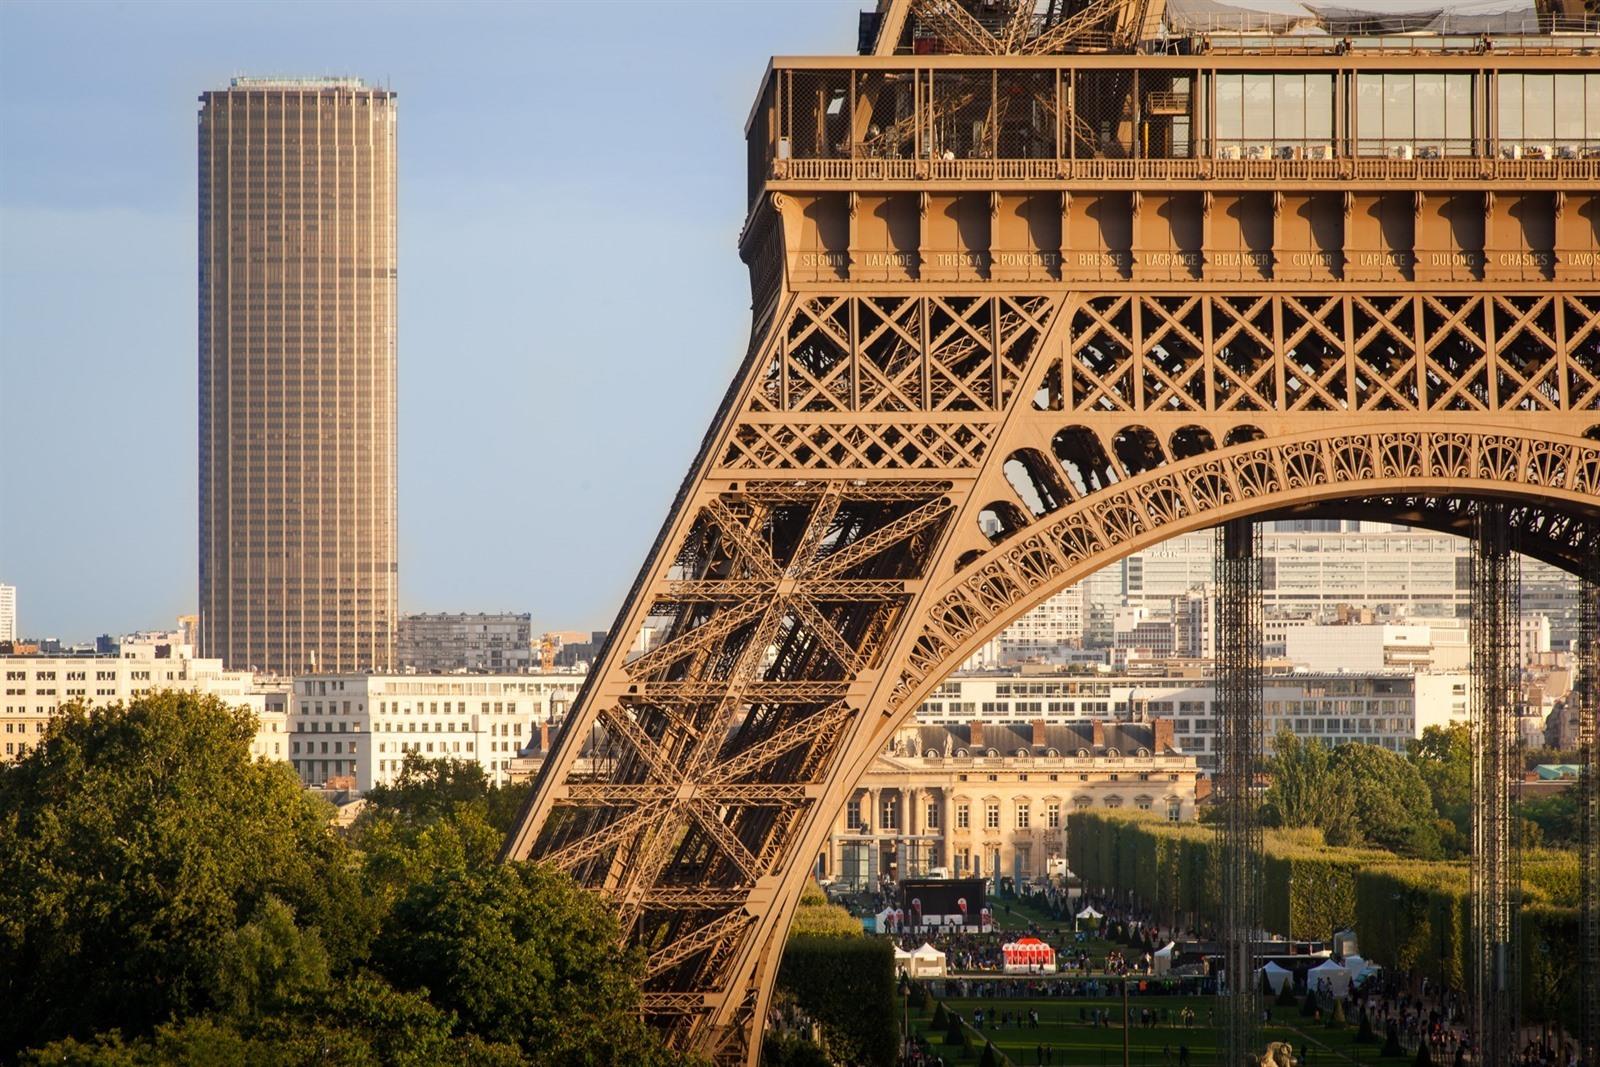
<point>942,901</point>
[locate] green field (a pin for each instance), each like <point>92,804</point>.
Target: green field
<point>1079,1044</point>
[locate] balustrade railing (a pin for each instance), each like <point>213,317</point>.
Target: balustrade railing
<point>1186,170</point>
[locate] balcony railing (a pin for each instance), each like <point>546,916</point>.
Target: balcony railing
<point>1362,169</point>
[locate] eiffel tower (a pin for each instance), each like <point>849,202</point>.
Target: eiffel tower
<point>1037,286</point>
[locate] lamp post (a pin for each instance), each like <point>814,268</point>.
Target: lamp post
<point>1127,1022</point>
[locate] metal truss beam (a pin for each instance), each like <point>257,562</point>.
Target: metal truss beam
<point>896,476</point>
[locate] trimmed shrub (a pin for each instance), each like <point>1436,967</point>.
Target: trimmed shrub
<point>783,1051</point>
<point>955,1033</point>
<point>1285,997</point>
<point>1391,1043</point>
<point>941,1019</point>
<point>990,1057</point>
<point>1336,1016</point>
<point>1308,1007</point>
<point>1424,1057</point>
<point>1364,1034</point>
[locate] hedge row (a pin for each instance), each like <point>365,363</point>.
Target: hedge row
<point>1411,915</point>
<point>847,984</point>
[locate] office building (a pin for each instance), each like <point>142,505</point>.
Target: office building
<point>444,643</point>
<point>298,559</point>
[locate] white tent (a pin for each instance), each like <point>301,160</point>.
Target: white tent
<point>927,961</point>
<point>1161,962</point>
<point>1336,976</point>
<point>1278,976</point>
<point>1358,968</point>
<point>901,956</point>
<point>880,921</point>
<point>1088,912</point>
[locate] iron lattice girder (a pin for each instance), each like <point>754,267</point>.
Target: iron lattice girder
<point>812,595</point>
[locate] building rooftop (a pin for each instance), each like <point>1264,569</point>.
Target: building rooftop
<point>311,82</point>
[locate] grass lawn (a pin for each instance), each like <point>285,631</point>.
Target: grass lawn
<point>1022,915</point>
<point>1080,1044</point>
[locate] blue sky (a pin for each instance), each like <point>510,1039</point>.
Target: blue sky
<point>571,300</point>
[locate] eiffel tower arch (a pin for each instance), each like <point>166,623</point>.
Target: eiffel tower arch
<point>1014,320</point>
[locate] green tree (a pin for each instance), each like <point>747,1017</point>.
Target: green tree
<point>1556,818</point>
<point>269,962</point>
<point>133,843</point>
<point>1391,800</point>
<point>1443,757</point>
<point>523,956</point>
<point>1306,789</point>
<point>364,1022</point>
<point>426,789</point>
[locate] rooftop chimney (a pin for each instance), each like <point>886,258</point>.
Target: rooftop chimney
<point>1099,733</point>
<point>977,735</point>
<point>1164,739</point>
<point>1038,733</point>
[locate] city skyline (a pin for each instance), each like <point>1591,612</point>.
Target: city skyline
<point>494,324</point>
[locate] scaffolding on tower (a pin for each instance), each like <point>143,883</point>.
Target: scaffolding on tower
<point>1587,700</point>
<point>1496,778</point>
<point>1238,699</point>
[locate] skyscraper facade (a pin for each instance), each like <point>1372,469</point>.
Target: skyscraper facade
<point>298,557</point>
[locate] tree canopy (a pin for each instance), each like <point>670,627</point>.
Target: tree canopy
<point>166,899</point>
<point>1354,794</point>
<point>1443,758</point>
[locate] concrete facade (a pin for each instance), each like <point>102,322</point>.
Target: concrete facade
<point>355,730</point>
<point>1378,708</point>
<point>36,687</point>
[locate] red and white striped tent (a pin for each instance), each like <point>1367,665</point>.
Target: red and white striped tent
<point>1029,955</point>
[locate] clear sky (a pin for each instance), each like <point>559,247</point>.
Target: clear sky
<point>572,304</point>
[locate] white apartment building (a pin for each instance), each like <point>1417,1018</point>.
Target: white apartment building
<point>8,612</point>
<point>37,686</point>
<point>1375,708</point>
<point>1437,645</point>
<point>355,730</point>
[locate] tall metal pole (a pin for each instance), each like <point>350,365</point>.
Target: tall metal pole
<point>1127,1022</point>
<point>1496,778</point>
<point>1238,703</point>
<point>1587,698</point>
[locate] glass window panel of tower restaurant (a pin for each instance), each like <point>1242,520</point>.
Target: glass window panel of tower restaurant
<point>1549,116</point>
<point>1274,116</point>
<point>1421,116</point>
